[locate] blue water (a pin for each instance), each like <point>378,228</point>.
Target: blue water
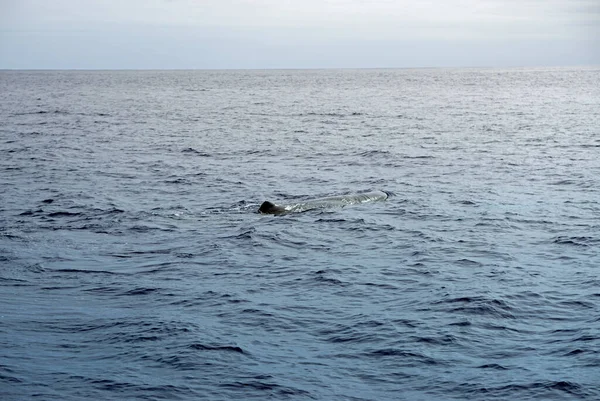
<point>133,264</point>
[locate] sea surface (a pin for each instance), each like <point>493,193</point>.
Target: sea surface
<point>134,264</point>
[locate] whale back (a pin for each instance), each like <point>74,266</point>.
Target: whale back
<point>323,203</point>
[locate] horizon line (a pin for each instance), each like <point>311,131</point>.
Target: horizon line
<point>306,68</point>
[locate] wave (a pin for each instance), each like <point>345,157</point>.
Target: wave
<point>584,241</point>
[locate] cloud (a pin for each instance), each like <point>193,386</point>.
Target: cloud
<point>371,17</point>
<point>301,33</point>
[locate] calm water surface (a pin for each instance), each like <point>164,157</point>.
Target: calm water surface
<point>133,264</point>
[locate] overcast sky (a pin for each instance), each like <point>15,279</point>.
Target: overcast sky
<point>156,34</point>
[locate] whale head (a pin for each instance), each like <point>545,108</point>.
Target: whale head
<point>270,208</point>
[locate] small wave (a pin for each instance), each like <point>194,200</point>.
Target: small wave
<point>64,214</point>
<point>144,229</point>
<point>322,220</point>
<point>195,152</point>
<point>83,271</point>
<point>578,304</point>
<point>329,280</point>
<point>373,153</point>
<point>410,357</point>
<point>28,113</point>
<point>480,306</point>
<point>493,366</point>
<point>468,262</point>
<point>245,234</point>
<point>462,323</point>
<point>418,157</point>
<point>127,389</point>
<point>535,390</point>
<point>13,282</point>
<point>228,348</point>
<point>178,181</point>
<point>562,386</point>
<point>576,241</point>
<point>467,203</point>
<point>587,338</point>
<point>101,290</point>
<point>183,255</point>
<point>385,286</point>
<point>264,386</point>
<point>31,212</point>
<point>323,114</point>
<point>8,378</point>
<point>443,340</point>
<point>141,291</point>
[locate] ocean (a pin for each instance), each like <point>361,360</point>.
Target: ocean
<point>135,266</point>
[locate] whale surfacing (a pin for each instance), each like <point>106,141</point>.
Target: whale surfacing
<point>323,203</point>
<point>270,208</point>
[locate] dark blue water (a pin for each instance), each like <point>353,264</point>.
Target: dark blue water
<point>134,264</point>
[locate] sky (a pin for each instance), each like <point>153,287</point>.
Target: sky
<point>240,34</point>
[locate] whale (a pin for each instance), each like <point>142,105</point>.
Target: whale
<point>268,207</point>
